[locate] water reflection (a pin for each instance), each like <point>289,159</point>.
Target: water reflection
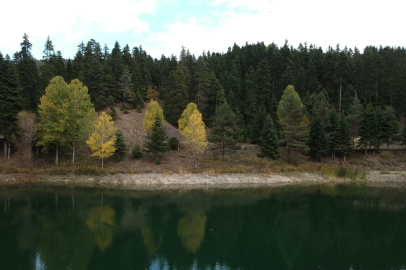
<point>313,227</point>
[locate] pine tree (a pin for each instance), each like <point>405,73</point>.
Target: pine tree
<point>292,120</point>
<point>136,152</point>
<point>378,137</point>
<point>317,141</point>
<point>225,131</point>
<point>10,101</point>
<point>258,124</point>
<point>101,141</point>
<point>402,136</point>
<point>366,129</point>
<point>390,127</point>
<point>346,143</point>
<point>202,86</point>
<point>355,117</point>
<point>334,132</point>
<point>269,143</point>
<point>155,139</point>
<point>263,83</point>
<point>125,83</point>
<point>120,145</point>
<point>176,98</point>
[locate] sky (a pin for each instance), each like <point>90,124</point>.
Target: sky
<point>163,26</point>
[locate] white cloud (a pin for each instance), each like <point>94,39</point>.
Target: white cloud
<point>75,19</point>
<point>349,23</point>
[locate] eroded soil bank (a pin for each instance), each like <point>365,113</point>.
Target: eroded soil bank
<point>174,181</point>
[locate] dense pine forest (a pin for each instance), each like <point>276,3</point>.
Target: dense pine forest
<point>342,93</point>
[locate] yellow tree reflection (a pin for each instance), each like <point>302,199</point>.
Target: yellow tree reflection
<point>101,223</point>
<point>152,241</point>
<point>191,229</point>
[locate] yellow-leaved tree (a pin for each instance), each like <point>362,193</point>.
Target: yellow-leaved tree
<point>194,132</point>
<point>149,118</point>
<point>101,142</point>
<point>184,118</point>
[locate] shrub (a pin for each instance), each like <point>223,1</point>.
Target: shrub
<point>158,162</point>
<point>173,143</point>
<point>137,151</point>
<point>123,107</point>
<point>139,109</point>
<point>126,111</point>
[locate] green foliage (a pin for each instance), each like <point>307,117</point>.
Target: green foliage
<point>136,152</point>
<point>176,98</point>
<point>334,131</point>
<point>346,143</point>
<point>366,129</point>
<point>259,120</point>
<point>294,123</point>
<point>269,143</point>
<point>173,143</point>
<point>111,111</point>
<point>390,127</point>
<point>317,141</point>
<point>225,131</point>
<point>125,84</point>
<point>119,144</point>
<point>126,111</point>
<point>123,107</point>
<point>158,162</point>
<point>155,139</point>
<point>355,116</point>
<point>139,109</point>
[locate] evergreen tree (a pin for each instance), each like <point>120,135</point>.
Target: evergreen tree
<point>258,124</point>
<point>346,143</point>
<point>292,120</point>
<point>334,133</point>
<point>28,75</point>
<point>176,98</point>
<point>366,129</point>
<point>155,139</point>
<point>355,117</point>
<point>119,144</point>
<point>378,137</point>
<point>10,101</point>
<point>125,83</point>
<point>202,86</point>
<point>225,131</point>
<point>250,103</point>
<point>402,136</point>
<point>269,143</point>
<point>390,127</point>
<point>263,83</point>
<point>317,141</point>
<point>136,152</point>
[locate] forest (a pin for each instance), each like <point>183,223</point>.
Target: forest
<point>268,95</point>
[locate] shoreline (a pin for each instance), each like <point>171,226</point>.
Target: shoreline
<point>195,181</point>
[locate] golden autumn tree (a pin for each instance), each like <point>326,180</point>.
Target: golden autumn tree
<point>101,142</point>
<point>149,119</point>
<point>193,130</point>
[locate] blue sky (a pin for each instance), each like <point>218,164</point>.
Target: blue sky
<point>163,26</point>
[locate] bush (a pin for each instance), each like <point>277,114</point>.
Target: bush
<point>158,162</point>
<point>137,151</point>
<point>123,107</point>
<point>139,109</point>
<point>173,143</point>
<point>125,111</point>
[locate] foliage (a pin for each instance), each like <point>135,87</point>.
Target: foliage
<point>173,143</point>
<point>136,152</point>
<point>119,144</point>
<point>152,93</point>
<point>191,230</point>
<point>184,119</point>
<point>102,140</point>
<point>153,109</point>
<point>269,143</point>
<point>346,143</point>
<point>126,111</point>
<point>195,134</point>
<point>156,137</point>
<point>111,111</point>
<point>317,141</point>
<point>125,83</point>
<point>139,109</point>
<point>225,131</point>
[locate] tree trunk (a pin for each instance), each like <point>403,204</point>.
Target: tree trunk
<point>57,150</point>
<point>339,106</point>
<point>9,150</point>
<point>288,153</point>
<point>366,149</point>
<point>73,154</point>
<point>5,148</point>
<point>344,157</point>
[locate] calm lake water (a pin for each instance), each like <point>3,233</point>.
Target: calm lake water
<point>292,227</point>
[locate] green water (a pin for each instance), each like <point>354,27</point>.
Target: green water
<point>294,227</point>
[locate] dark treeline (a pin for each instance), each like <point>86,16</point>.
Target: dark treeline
<point>250,78</point>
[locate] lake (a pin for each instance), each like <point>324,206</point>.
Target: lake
<point>289,227</point>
